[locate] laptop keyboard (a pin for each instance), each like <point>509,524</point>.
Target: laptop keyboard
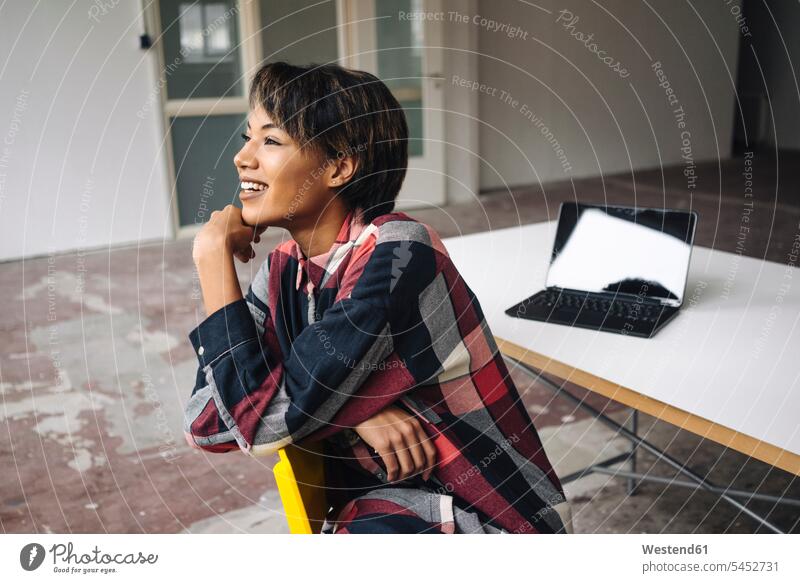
<point>619,308</point>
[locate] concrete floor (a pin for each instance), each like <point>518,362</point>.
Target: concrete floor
<point>95,369</point>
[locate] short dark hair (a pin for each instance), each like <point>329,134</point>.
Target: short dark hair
<point>334,112</point>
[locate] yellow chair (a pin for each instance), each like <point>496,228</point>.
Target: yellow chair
<point>300,477</point>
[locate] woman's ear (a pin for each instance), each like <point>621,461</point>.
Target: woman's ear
<point>342,171</point>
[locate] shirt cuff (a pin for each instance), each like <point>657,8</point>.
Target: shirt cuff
<point>222,331</point>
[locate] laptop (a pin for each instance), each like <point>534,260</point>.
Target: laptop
<point>615,269</point>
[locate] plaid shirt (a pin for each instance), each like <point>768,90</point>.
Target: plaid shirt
<point>321,344</point>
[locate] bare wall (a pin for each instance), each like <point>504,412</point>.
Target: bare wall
<point>80,141</point>
<point>569,114</point>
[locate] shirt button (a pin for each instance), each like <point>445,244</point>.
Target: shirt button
<point>201,350</point>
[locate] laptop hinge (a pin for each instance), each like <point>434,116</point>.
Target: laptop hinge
<point>626,297</point>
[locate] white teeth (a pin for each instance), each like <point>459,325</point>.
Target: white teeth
<point>246,185</point>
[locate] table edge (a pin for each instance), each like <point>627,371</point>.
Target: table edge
<point>736,440</point>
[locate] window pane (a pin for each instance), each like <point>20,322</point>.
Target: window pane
<point>281,39</point>
<point>203,150</point>
<point>400,61</point>
<point>201,48</point>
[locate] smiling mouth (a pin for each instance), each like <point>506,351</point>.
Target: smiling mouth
<point>251,189</point>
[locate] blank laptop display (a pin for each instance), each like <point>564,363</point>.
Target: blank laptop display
<point>614,268</point>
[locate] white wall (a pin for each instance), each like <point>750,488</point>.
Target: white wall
<point>591,111</point>
<point>79,168</point>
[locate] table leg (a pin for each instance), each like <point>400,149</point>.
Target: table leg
<point>696,482</point>
<point>631,482</point>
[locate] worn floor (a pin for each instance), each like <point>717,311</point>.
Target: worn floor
<point>95,369</point>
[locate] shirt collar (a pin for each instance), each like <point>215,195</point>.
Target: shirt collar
<point>317,268</point>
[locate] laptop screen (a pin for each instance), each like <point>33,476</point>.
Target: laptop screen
<point>626,250</point>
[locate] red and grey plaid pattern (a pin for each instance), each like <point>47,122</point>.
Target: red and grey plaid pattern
<point>321,344</point>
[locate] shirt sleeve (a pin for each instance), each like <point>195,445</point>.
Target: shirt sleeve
<point>366,351</point>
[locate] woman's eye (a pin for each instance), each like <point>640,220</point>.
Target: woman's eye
<point>268,141</point>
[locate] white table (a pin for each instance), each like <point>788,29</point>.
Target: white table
<point>726,368</point>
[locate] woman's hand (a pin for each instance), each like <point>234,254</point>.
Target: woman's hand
<point>222,238</point>
<point>399,439</point>
<point>226,232</point>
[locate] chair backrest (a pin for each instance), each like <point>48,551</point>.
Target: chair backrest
<point>300,477</point>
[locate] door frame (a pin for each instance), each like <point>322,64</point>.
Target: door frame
<point>247,16</point>
<point>360,50</point>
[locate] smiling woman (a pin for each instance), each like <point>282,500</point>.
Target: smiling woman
<point>359,331</point>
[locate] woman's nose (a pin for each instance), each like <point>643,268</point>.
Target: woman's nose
<point>242,159</point>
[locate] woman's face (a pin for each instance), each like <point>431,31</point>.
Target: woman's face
<point>291,187</point>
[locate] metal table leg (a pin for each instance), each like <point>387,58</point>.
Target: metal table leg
<point>631,482</point>
<point>696,481</point>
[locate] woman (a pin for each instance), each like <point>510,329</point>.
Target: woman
<point>357,331</point>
